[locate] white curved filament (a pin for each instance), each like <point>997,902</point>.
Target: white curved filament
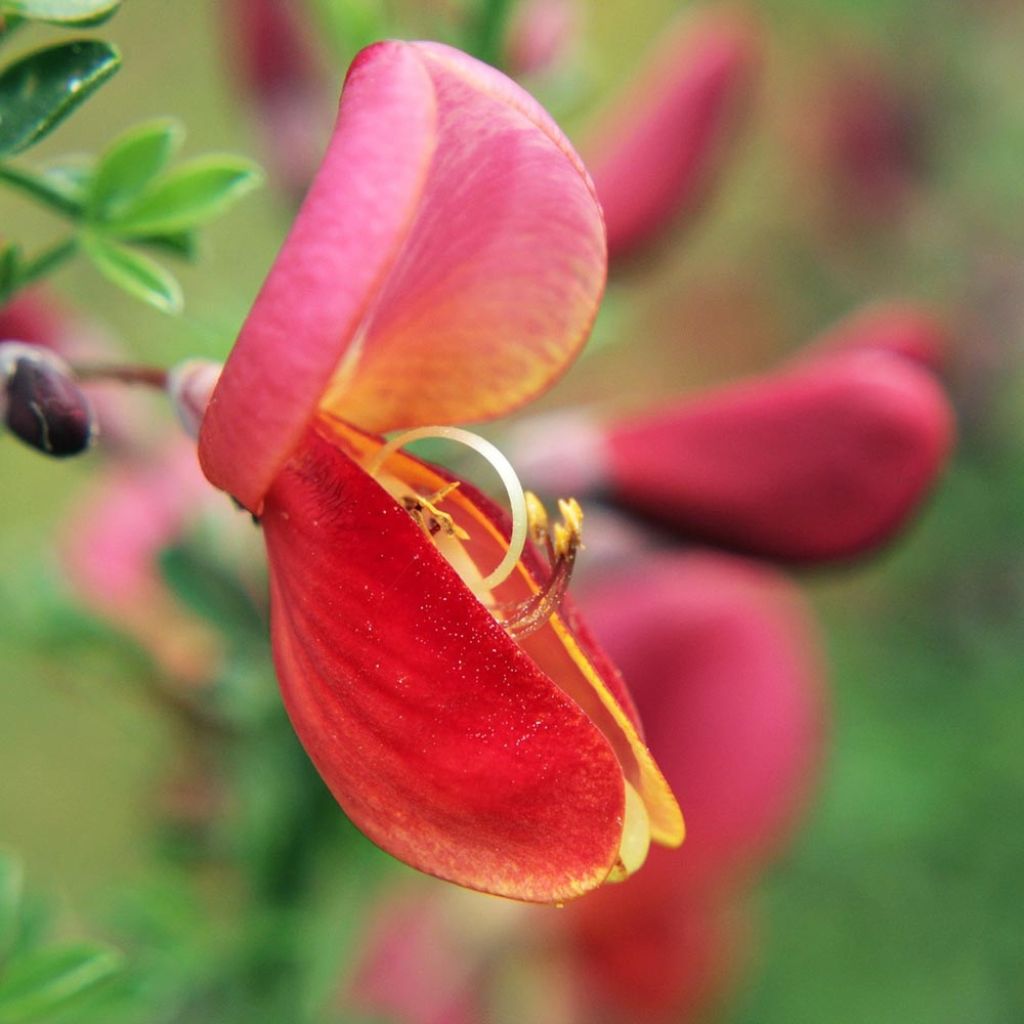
<point>516,497</point>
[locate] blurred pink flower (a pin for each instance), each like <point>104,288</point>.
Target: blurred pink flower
<point>824,459</point>
<point>656,153</point>
<point>33,317</point>
<point>111,549</point>
<point>279,72</point>
<point>541,36</point>
<point>900,328</point>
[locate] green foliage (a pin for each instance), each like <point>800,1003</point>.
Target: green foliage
<point>187,197</point>
<point>41,89</point>
<point>80,13</point>
<point>39,979</point>
<point>11,883</point>
<point>136,273</point>
<point>127,194</point>
<point>212,592</point>
<point>486,35</point>
<point>129,164</point>
<point>352,24</point>
<point>38,984</point>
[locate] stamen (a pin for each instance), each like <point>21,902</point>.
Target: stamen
<point>561,544</point>
<point>516,497</point>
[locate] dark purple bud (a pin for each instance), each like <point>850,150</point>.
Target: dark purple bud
<point>41,403</point>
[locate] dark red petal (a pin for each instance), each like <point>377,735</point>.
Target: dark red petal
<point>562,647</point>
<point>823,461</point>
<point>439,736</point>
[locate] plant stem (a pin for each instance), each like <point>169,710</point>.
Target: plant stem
<point>30,271</point>
<point>47,261</point>
<point>148,376</point>
<point>41,190</point>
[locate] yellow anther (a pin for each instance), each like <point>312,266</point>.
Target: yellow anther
<point>536,517</point>
<point>567,535</point>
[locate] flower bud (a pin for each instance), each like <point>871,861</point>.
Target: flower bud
<point>41,403</point>
<point>190,385</point>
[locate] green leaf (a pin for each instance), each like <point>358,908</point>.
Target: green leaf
<point>10,259</point>
<point>11,880</point>
<point>136,274</point>
<point>191,194</point>
<point>130,163</point>
<point>45,981</point>
<point>62,12</point>
<point>38,91</point>
<point>183,244</point>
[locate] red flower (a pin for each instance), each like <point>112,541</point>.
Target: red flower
<point>446,266</point>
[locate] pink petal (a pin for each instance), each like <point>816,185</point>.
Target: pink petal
<point>500,278</point>
<point>661,147</point>
<point>721,656</point>
<point>446,266</point>
<point>822,461</point>
<point>343,243</point>
<point>441,739</point>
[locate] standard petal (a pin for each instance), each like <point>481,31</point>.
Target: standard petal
<point>344,240</point>
<point>822,461</point>
<point>499,281</point>
<point>438,735</point>
<point>659,150</point>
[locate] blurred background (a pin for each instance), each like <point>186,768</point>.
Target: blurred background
<point>148,781</point>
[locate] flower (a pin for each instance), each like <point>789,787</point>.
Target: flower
<point>656,152</point>
<point>824,459</point>
<point>446,265</point>
<point>277,70</point>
